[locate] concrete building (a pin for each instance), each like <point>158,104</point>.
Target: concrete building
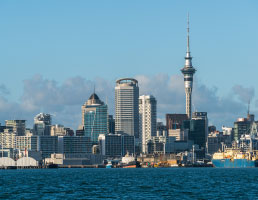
<point>147,119</point>
<point>188,72</point>
<point>28,143</point>
<point>74,159</point>
<point>18,126</point>
<point>8,139</point>
<point>127,106</point>
<point>60,130</point>
<point>42,124</point>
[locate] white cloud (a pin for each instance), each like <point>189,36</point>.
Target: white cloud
<point>64,100</point>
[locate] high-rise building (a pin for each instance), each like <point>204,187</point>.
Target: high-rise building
<point>127,106</point>
<point>147,119</point>
<point>198,131</point>
<point>95,118</point>
<point>18,126</point>
<point>188,72</point>
<point>42,124</point>
<point>241,127</point>
<point>8,139</point>
<point>111,124</point>
<point>175,121</point>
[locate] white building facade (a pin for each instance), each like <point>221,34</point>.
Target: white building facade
<point>147,119</point>
<point>127,106</point>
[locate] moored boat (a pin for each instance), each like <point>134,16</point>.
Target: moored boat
<point>129,161</point>
<point>235,158</point>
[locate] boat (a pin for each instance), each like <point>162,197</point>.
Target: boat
<point>109,164</point>
<point>235,158</point>
<point>129,161</point>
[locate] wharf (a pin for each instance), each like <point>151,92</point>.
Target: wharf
<point>81,166</point>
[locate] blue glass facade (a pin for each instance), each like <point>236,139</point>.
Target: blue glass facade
<point>95,121</point>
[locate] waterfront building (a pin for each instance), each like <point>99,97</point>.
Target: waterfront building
<point>148,119</point>
<point>48,145</point>
<point>42,124</point>
<point>161,145</point>
<point>95,118</point>
<point>26,143</point>
<point>18,126</point>
<point>75,159</point>
<point>188,72</point>
<point>74,144</point>
<point>116,145</point>
<point>127,106</point>
<point>198,131</point>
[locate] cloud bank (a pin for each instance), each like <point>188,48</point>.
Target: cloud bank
<point>64,100</point>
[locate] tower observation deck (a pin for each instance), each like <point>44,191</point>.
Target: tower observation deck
<point>188,72</point>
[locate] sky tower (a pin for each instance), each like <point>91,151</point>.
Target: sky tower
<point>188,72</point>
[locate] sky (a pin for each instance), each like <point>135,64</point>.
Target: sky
<point>52,53</point>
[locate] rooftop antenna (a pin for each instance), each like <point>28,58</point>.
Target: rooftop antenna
<point>94,89</point>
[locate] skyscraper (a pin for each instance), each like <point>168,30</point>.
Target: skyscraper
<point>18,126</point>
<point>148,119</point>
<point>42,124</point>
<point>188,72</point>
<point>127,106</point>
<point>95,118</point>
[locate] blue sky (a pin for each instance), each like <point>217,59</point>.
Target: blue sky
<point>58,40</point>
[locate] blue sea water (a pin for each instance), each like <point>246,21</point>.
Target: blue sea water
<point>161,183</point>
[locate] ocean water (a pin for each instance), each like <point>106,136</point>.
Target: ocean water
<point>161,183</point>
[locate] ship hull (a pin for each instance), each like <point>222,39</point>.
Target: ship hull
<point>234,163</point>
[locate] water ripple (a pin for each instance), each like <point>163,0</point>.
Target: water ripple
<point>173,183</point>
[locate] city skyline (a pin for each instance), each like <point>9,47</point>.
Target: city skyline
<point>47,77</point>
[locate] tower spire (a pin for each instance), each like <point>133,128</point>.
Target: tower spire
<point>188,58</point>
<point>188,72</point>
<point>188,38</point>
